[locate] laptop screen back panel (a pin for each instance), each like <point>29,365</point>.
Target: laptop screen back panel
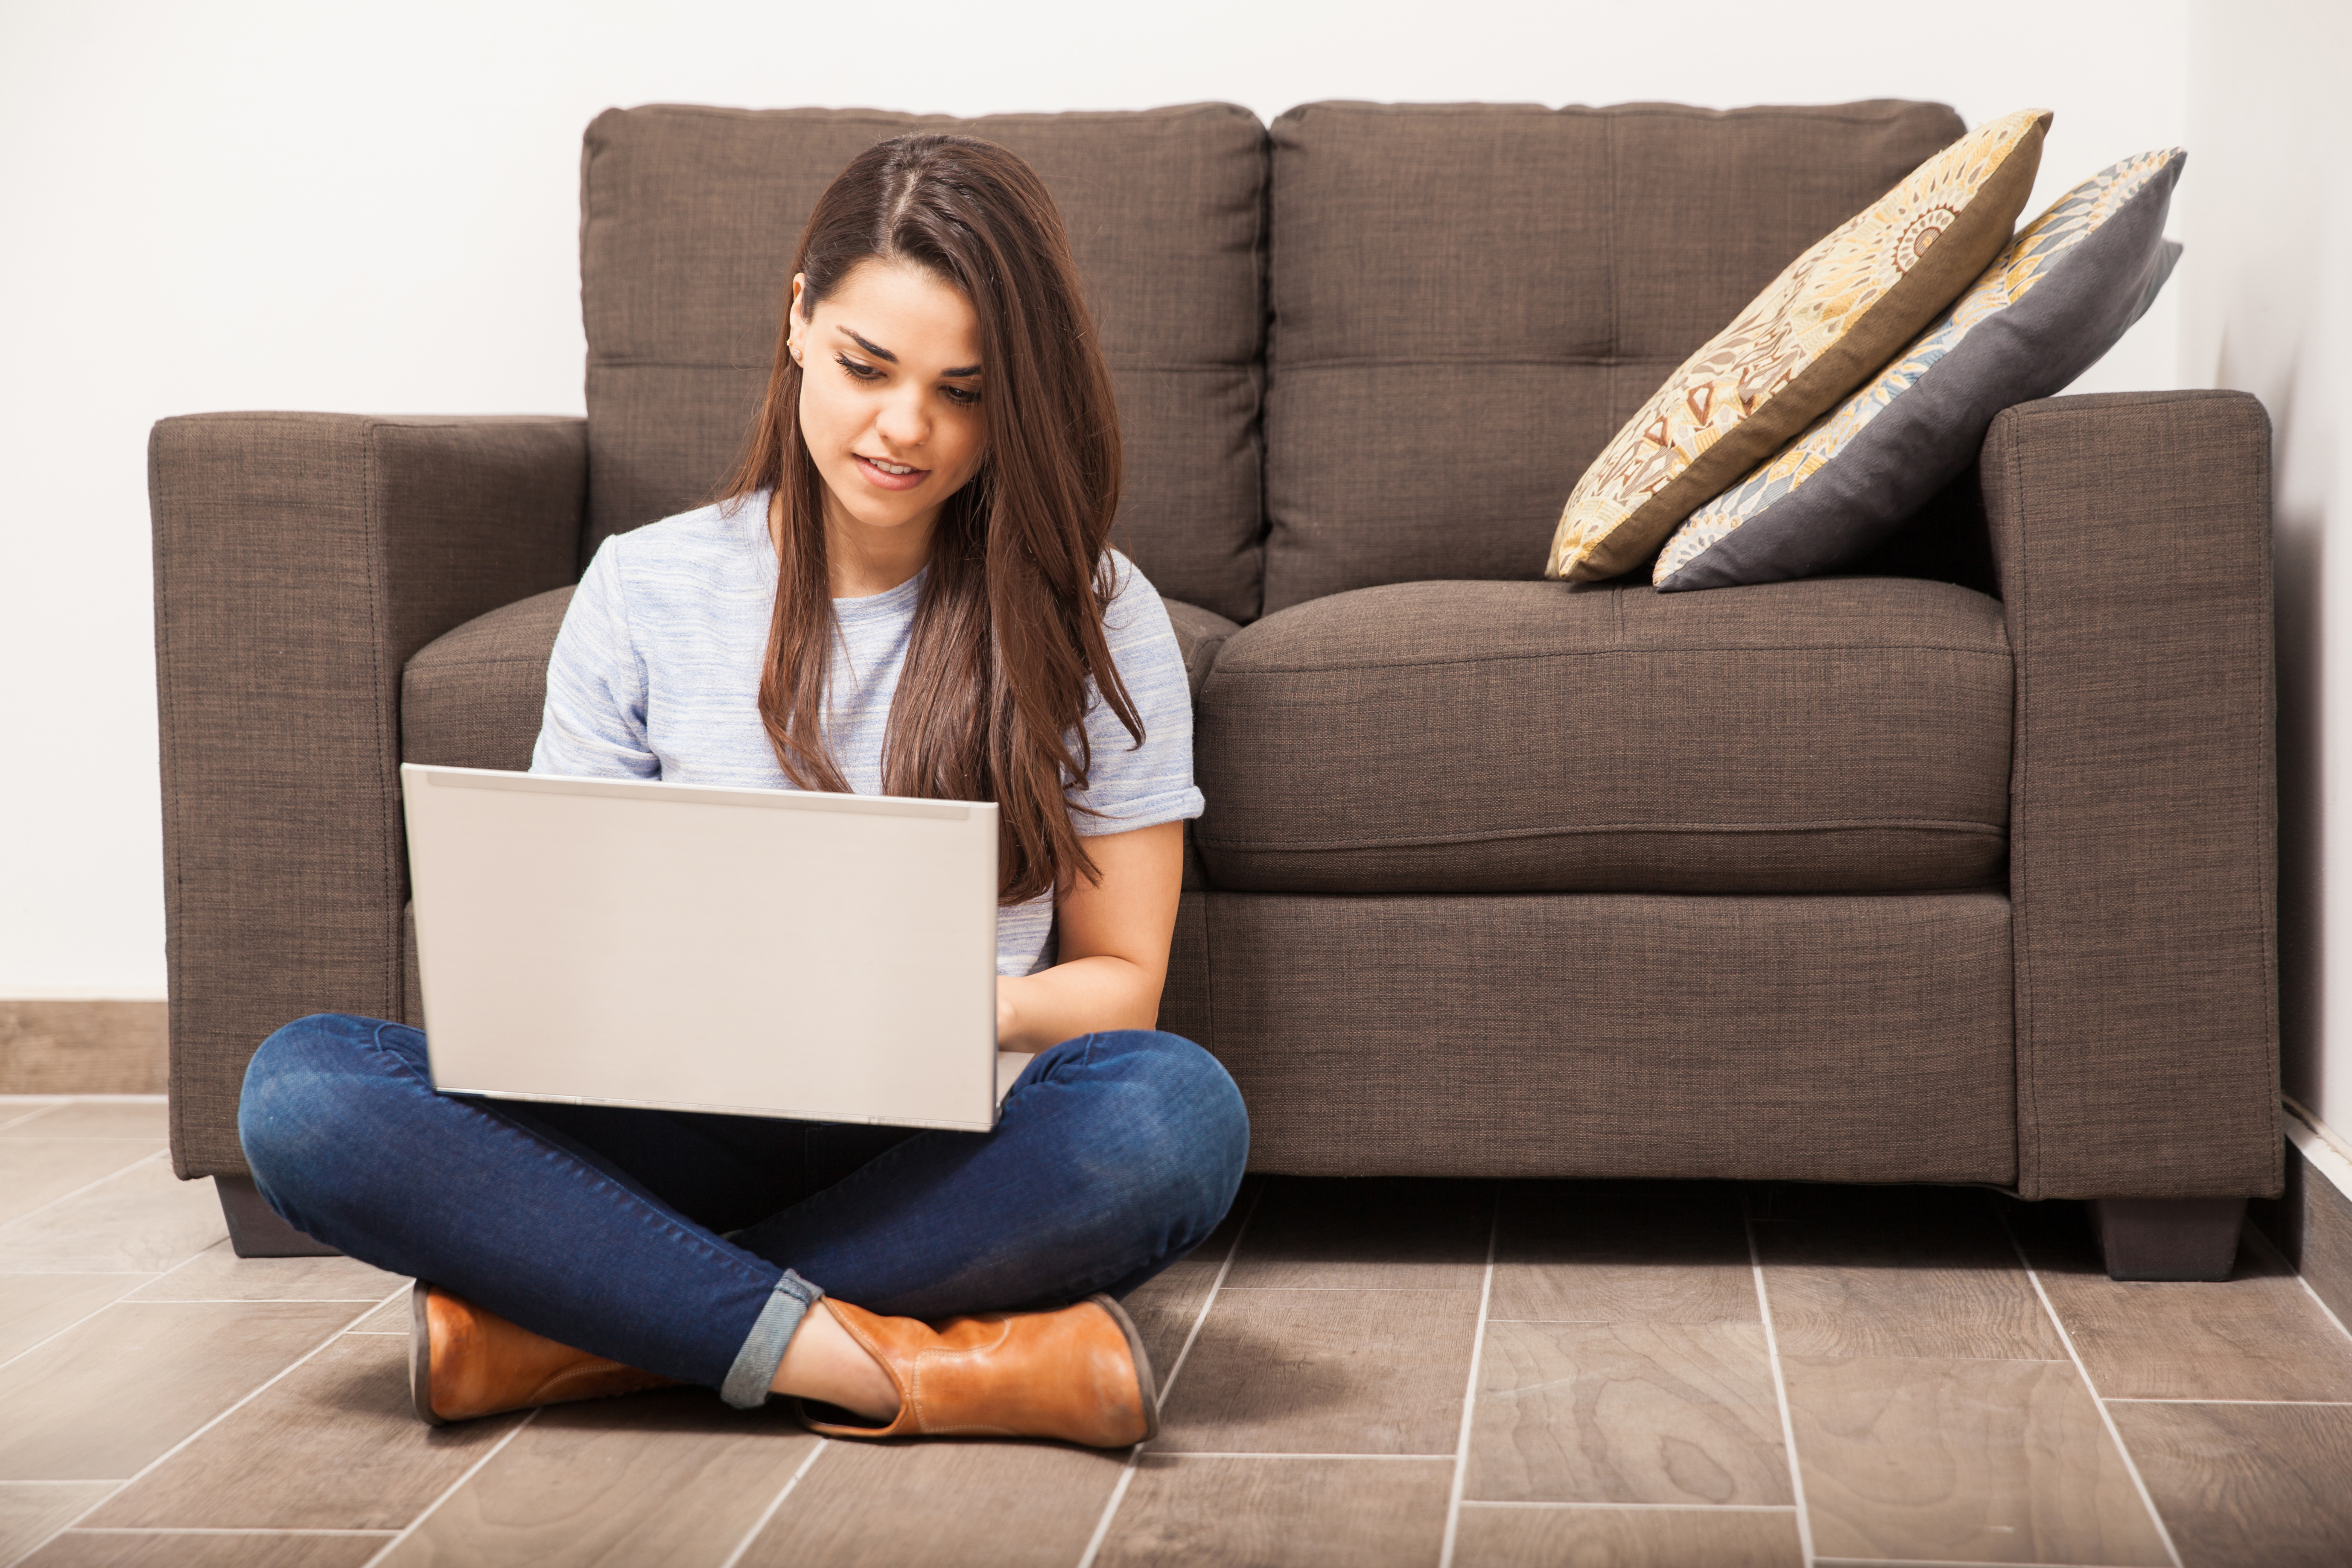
<point>761,952</point>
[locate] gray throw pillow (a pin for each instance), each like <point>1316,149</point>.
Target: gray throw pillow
<point>2068,286</point>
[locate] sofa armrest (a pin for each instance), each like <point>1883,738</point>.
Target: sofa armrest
<point>1200,634</point>
<point>2132,537</point>
<point>299,560</point>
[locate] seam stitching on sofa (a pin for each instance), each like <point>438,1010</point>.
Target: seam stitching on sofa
<point>1483,362</point>
<point>1616,305</point>
<point>387,746</point>
<point>2266,868</point>
<point>446,662</point>
<point>901,117</point>
<point>1209,963</point>
<point>1175,367</point>
<point>279,418</point>
<point>1578,830</point>
<point>175,831</point>
<point>1608,112</point>
<point>2003,653</point>
<point>2029,1132</point>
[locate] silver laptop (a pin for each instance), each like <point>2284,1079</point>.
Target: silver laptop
<point>761,952</point>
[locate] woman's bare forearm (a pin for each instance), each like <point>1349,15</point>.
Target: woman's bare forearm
<point>1113,933</point>
<point>1086,994</point>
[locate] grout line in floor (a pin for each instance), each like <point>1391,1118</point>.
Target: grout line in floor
<point>208,1529</point>
<point>1650,1507</point>
<point>1781,1387</point>
<point>85,1098</point>
<point>2291,1404</point>
<point>77,1322</point>
<point>1470,1389</point>
<point>1942,1562</point>
<point>1722,1322</point>
<point>775,1503</point>
<point>376,1303</point>
<point>1184,1352</point>
<point>116,1302</point>
<point>88,1186</point>
<point>36,1111</point>
<point>1167,1384</point>
<point>472,1471</point>
<point>1384,1289</point>
<point>251,1396</point>
<point>1287,1454</point>
<point>157,1144</point>
<point>2106,1418</point>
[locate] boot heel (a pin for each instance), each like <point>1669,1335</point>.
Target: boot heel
<point>420,1353</point>
<point>1147,1384</point>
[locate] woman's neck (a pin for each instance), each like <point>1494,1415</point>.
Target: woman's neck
<point>862,562</point>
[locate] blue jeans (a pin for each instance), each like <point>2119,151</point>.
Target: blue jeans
<point>685,1244</point>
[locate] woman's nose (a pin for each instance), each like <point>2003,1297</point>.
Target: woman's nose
<point>903,421</point>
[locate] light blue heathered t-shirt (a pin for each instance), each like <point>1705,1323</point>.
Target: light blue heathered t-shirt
<point>655,675</point>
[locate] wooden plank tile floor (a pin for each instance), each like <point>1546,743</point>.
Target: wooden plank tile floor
<point>1368,1372</point>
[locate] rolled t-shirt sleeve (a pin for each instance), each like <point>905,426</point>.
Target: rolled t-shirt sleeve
<point>593,725</point>
<point>1133,786</point>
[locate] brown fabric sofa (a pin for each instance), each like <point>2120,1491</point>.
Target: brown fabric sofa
<point>1958,869</point>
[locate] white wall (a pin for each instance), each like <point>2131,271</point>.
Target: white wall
<point>2265,313</point>
<point>242,204</point>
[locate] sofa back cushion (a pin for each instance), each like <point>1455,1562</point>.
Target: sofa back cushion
<point>1469,300</point>
<point>688,220</point>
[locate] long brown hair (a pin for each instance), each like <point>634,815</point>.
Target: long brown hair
<point>1008,632</point>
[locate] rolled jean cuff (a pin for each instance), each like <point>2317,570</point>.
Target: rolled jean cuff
<point>746,1387</point>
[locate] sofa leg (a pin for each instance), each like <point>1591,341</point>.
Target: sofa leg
<point>2168,1238</point>
<point>254,1228</point>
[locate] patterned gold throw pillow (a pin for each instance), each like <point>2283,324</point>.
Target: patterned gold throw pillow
<point>1837,313</point>
<point>2057,298</point>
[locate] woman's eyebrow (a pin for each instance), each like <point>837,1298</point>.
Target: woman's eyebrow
<point>956,372</point>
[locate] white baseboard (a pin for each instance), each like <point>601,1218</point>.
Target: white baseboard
<point>83,993</point>
<point>2324,1149</point>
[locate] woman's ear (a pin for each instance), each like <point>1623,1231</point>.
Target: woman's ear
<point>794,321</point>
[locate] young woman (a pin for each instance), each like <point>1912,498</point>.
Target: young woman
<point>907,590</point>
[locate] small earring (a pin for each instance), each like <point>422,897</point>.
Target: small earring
<point>795,350</point>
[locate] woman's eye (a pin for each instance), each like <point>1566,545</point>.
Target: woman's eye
<point>964,395</point>
<point>862,372</point>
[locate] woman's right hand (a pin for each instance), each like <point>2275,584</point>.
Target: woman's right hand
<point>1007,1016</point>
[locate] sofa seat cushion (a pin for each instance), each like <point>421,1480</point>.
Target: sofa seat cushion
<point>472,697</point>
<point>1834,735</point>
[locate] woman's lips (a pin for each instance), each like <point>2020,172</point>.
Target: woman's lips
<point>884,479</point>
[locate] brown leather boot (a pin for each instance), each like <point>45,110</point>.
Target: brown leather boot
<point>464,1362</point>
<point>1079,1374</point>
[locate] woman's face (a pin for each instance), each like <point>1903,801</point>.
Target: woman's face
<point>890,389</point>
